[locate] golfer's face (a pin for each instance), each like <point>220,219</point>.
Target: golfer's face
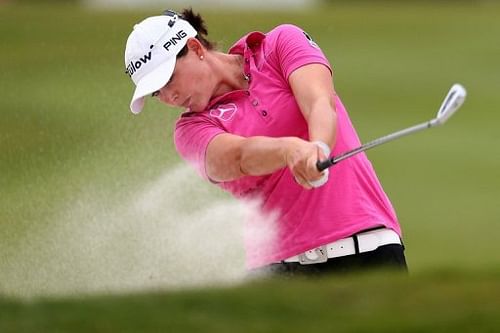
<point>190,86</point>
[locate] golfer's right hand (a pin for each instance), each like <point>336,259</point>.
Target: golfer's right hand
<point>301,159</point>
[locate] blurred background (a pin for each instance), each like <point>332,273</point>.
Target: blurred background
<point>95,201</point>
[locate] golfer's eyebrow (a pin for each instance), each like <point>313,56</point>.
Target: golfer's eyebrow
<point>170,80</point>
<point>154,94</point>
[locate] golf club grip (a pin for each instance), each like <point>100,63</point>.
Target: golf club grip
<point>322,165</point>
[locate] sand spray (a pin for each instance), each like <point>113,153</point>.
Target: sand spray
<point>173,233</point>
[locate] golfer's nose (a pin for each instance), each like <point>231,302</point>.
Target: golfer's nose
<point>170,97</point>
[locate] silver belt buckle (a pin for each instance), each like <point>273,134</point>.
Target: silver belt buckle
<point>314,256</point>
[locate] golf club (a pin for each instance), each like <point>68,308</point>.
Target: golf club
<point>454,99</point>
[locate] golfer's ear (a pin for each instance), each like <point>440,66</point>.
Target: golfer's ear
<point>195,46</point>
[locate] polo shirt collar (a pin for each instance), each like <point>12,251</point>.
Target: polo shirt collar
<point>250,41</point>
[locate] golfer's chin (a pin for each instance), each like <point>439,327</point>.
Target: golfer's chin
<point>195,107</point>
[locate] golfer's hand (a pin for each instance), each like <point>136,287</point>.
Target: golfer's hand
<point>301,159</point>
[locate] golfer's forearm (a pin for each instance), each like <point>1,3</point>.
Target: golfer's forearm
<point>264,155</point>
<point>322,122</point>
<point>315,95</point>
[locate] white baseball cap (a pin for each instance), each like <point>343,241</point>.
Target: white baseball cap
<point>151,52</point>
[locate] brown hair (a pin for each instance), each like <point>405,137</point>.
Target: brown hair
<point>199,25</point>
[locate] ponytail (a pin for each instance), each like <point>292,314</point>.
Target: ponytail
<point>199,25</point>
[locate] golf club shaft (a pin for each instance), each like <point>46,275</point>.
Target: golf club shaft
<point>454,99</point>
<point>322,165</point>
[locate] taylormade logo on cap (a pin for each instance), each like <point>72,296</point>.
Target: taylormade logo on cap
<point>151,52</point>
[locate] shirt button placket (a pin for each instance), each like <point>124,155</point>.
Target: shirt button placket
<point>246,69</point>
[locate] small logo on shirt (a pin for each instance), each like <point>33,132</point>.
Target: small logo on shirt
<point>224,112</point>
<point>311,41</point>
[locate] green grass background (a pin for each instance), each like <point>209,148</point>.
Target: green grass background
<point>65,126</point>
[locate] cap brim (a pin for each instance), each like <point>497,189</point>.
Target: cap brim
<point>152,82</point>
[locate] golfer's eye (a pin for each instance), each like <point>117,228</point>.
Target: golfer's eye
<point>155,94</point>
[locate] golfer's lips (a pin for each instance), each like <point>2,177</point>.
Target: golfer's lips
<point>187,104</point>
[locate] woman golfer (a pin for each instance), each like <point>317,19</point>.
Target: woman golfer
<point>255,122</point>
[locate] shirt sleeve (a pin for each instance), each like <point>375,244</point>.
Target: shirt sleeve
<point>192,136</point>
<point>295,48</point>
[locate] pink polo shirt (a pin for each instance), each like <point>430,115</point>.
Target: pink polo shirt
<point>352,200</point>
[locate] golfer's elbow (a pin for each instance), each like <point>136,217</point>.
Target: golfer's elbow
<point>224,159</point>
<point>231,157</point>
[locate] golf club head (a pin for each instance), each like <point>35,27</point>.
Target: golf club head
<point>452,102</point>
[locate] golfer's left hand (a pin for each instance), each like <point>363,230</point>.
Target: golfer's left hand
<point>323,154</point>
<point>302,163</point>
